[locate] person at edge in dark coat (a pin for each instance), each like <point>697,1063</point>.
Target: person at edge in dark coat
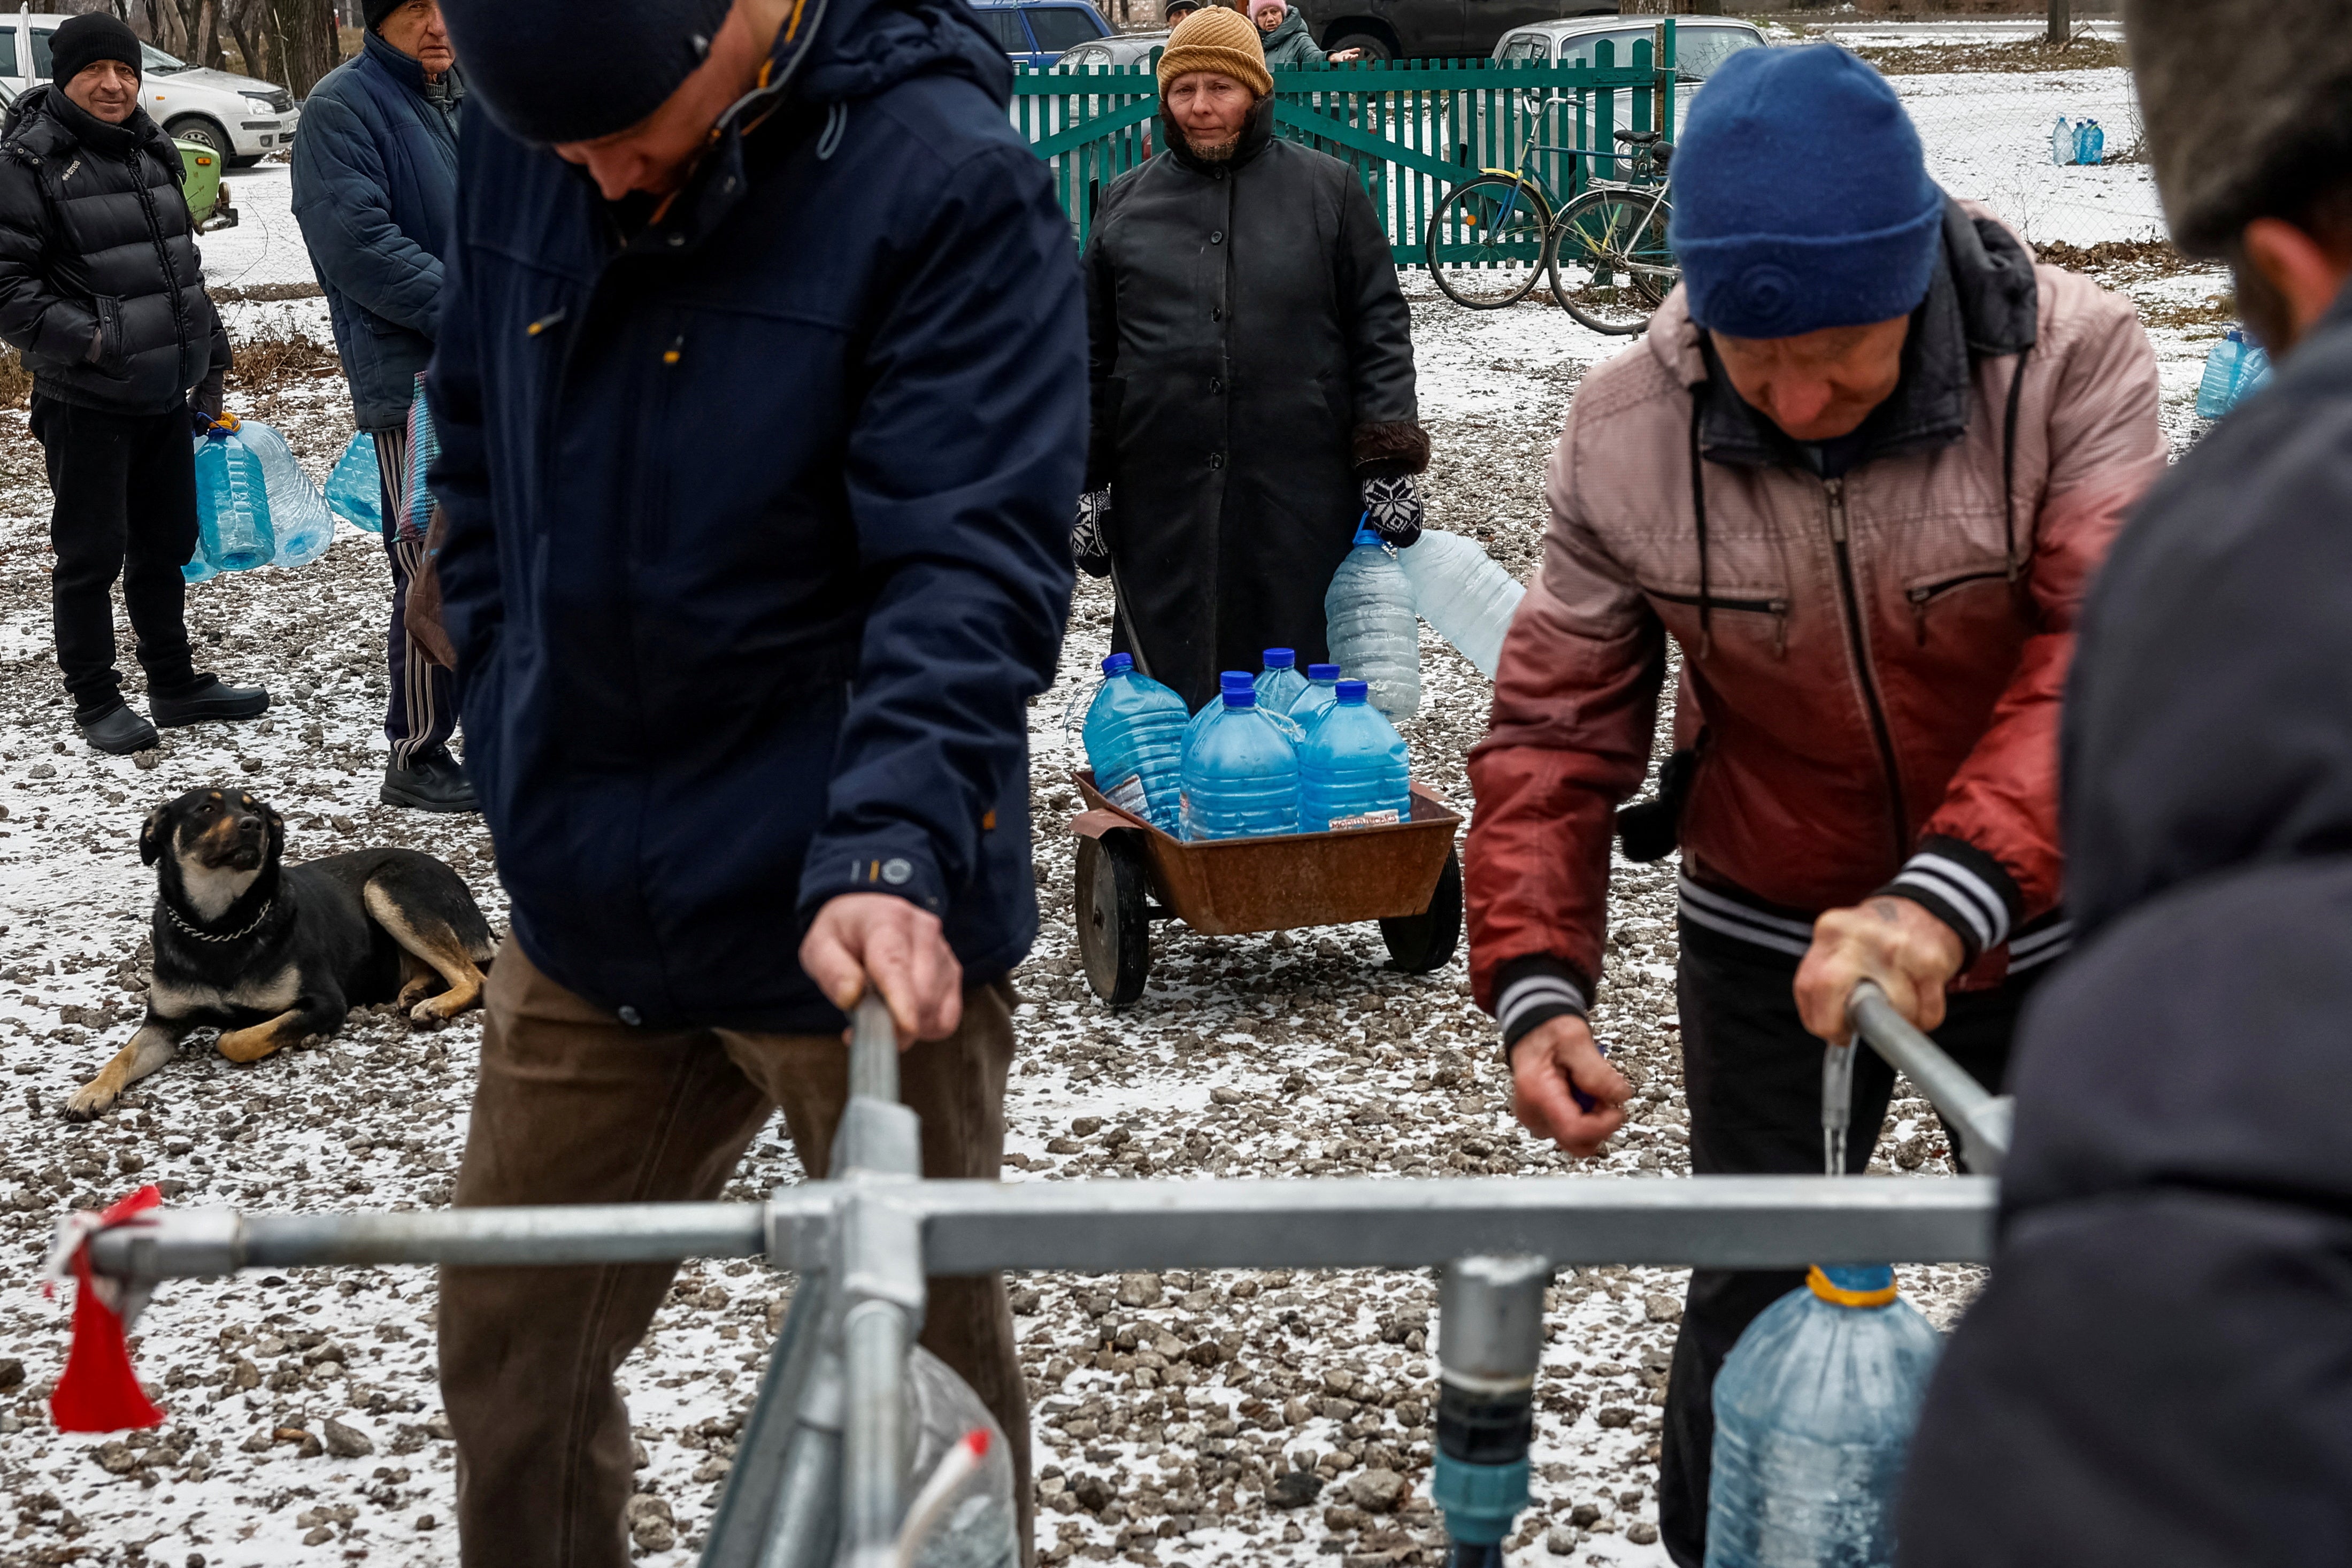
<point>1282,33</point>
<point>1251,376</point>
<point>101,294</point>
<point>760,389</point>
<point>375,182</point>
<point>1860,469</point>
<point>2157,1369</point>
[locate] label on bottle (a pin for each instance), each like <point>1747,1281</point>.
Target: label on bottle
<point>1128,794</point>
<point>1386,818</point>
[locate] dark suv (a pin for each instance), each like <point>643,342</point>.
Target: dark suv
<point>1430,29</point>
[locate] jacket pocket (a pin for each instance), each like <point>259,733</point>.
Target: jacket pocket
<point>106,352</point>
<point>1743,601</point>
<point>1922,591</point>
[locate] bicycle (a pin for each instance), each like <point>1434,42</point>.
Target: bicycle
<point>1491,238</point>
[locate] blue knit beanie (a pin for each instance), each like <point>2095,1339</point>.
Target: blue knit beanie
<point>574,70</point>
<point>1800,197</point>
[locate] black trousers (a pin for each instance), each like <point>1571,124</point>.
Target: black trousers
<point>1752,1078</point>
<point>125,489</point>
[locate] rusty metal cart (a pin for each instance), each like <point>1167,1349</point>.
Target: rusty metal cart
<point>1405,874</point>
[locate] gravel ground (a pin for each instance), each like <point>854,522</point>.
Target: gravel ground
<point>303,1416</point>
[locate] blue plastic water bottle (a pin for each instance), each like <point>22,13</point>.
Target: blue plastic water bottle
<point>1279,683</point>
<point>1373,629</point>
<point>2062,141</point>
<point>233,531</point>
<point>1229,680</point>
<point>300,526</point>
<point>2090,142</point>
<point>1814,1414</point>
<point>355,488</point>
<point>1241,777</point>
<point>2234,368</point>
<point>1317,696</point>
<point>1135,744</point>
<point>1353,772</point>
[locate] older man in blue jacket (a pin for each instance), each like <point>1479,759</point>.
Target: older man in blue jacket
<point>761,398</point>
<point>375,183</point>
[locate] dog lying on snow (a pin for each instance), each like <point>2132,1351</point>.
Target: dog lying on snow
<point>271,954</point>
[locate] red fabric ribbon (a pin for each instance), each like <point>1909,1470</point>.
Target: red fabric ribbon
<point>98,1392</point>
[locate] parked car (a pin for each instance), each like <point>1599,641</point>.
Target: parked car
<point>240,119</point>
<point>1701,43</point>
<point>1037,33</point>
<point>1118,50</point>
<point>201,186</point>
<point>1430,29</point>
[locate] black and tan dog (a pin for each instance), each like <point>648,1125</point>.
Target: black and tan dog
<point>271,954</point>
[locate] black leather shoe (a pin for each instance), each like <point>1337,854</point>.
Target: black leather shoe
<point>118,732</point>
<point>432,784</point>
<point>214,700</point>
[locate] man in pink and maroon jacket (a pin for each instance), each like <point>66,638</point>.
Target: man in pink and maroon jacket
<point>1861,471</point>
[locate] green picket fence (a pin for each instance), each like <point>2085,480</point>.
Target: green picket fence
<point>1411,130</point>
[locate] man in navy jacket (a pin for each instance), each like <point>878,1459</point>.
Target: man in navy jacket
<point>375,182</point>
<point>760,390</point>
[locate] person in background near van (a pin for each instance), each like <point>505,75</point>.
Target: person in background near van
<point>375,181</point>
<point>1179,9</point>
<point>757,479</point>
<point>101,291</point>
<point>1251,376</point>
<point>1283,35</point>
<point>1861,468</point>
<point>2155,1371</point>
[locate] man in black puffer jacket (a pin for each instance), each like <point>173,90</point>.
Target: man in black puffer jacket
<point>100,291</point>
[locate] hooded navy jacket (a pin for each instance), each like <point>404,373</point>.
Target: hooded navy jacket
<point>759,523</point>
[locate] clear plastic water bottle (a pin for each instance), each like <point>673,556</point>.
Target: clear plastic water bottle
<point>233,531</point>
<point>1279,683</point>
<point>1814,1414</point>
<point>2062,141</point>
<point>1229,680</point>
<point>1316,697</point>
<point>1353,772</point>
<point>1467,598</point>
<point>2233,368</point>
<point>300,523</point>
<point>1135,744</point>
<point>1373,630</point>
<point>974,1526</point>
<point>2090,142</point>
<point>355,489</point>
<point>1241,776</point>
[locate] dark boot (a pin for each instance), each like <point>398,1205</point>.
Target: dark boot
<point>431,783</point>
<point>118,731</point>
<point>210,698</point>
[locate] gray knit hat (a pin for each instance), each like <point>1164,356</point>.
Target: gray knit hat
<point>2246,104</point>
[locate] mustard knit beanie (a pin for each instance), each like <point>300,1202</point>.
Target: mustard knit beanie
<point>1215,40</point>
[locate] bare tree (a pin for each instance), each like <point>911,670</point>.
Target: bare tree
<point>304,41</point>
<point>2060,22</point>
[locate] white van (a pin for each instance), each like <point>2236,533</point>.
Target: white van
<point>242,120</point>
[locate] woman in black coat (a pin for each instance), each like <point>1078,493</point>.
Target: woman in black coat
<point>1252,368</point>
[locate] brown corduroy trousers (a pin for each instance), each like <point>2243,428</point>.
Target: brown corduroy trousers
<point>574,1106</point>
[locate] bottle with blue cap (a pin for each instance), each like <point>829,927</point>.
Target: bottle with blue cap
<point>1135,742</point>
<point>2235,369</point>
<point>1279,683</point>
<point>1373,629</point>
<point>233,531</point>
<point>1353,772</point>
<point>1241,773</point>
<point>1227,680</point>
<point>1814,1414</point>
<point>1316,697</point>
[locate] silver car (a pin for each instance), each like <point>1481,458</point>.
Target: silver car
<point>1118,50</point>
<point>238,117</point>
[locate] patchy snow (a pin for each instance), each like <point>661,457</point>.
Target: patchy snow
<point>1290,1053</point>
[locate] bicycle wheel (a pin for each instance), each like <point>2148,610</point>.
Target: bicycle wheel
<point>1484,243</point>
<point>1610,265</point>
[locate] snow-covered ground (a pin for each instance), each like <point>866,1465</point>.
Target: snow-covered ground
<point>1291,1053</point>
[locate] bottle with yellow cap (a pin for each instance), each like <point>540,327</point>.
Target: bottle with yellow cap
<point>1814,1414</point>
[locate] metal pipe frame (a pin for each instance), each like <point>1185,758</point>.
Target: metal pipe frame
<point>1983,1120</point>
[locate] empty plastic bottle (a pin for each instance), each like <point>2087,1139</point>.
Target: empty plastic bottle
<point>1229,680</point>
<point>1241,776</point>
<point>300,525</point>
<point>1465,598</point>
<point>1373,630</point>
<point>355,489</point>
<point>2090,142</point>
<point>1135,744</point>
<point>2062,141</point>
<point>1814,1414</point>
<point>2233,369</point>
<point>1279,683</point>
<point>1353,772</point>
<point>233,531</point>
<point>973,1524</point>
<point>1316,697</point>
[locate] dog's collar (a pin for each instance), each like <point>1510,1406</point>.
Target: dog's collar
<point>221,936</point>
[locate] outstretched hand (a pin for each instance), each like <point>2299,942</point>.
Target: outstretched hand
<point>901,949</point>
<point>1548,1064</point>
<point>1911,953</point>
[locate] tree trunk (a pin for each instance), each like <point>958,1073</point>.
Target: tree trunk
<point>306,47</point>
<point>252,40</point>
<point>2060,22</point>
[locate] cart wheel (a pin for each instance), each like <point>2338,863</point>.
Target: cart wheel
<point>1420,943</point>
<point>1114,931</point>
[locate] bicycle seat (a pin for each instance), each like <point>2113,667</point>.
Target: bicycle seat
<point>1638,138</point>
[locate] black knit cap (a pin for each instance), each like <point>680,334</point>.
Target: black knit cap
<point>83,41</point>
<point>574,70</point>
<point>375,11</point>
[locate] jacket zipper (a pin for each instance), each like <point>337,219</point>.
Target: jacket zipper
<point>163,251</point>
<point>1775,609</point>
<point>1835,492</point>
<point>1919,596</point>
